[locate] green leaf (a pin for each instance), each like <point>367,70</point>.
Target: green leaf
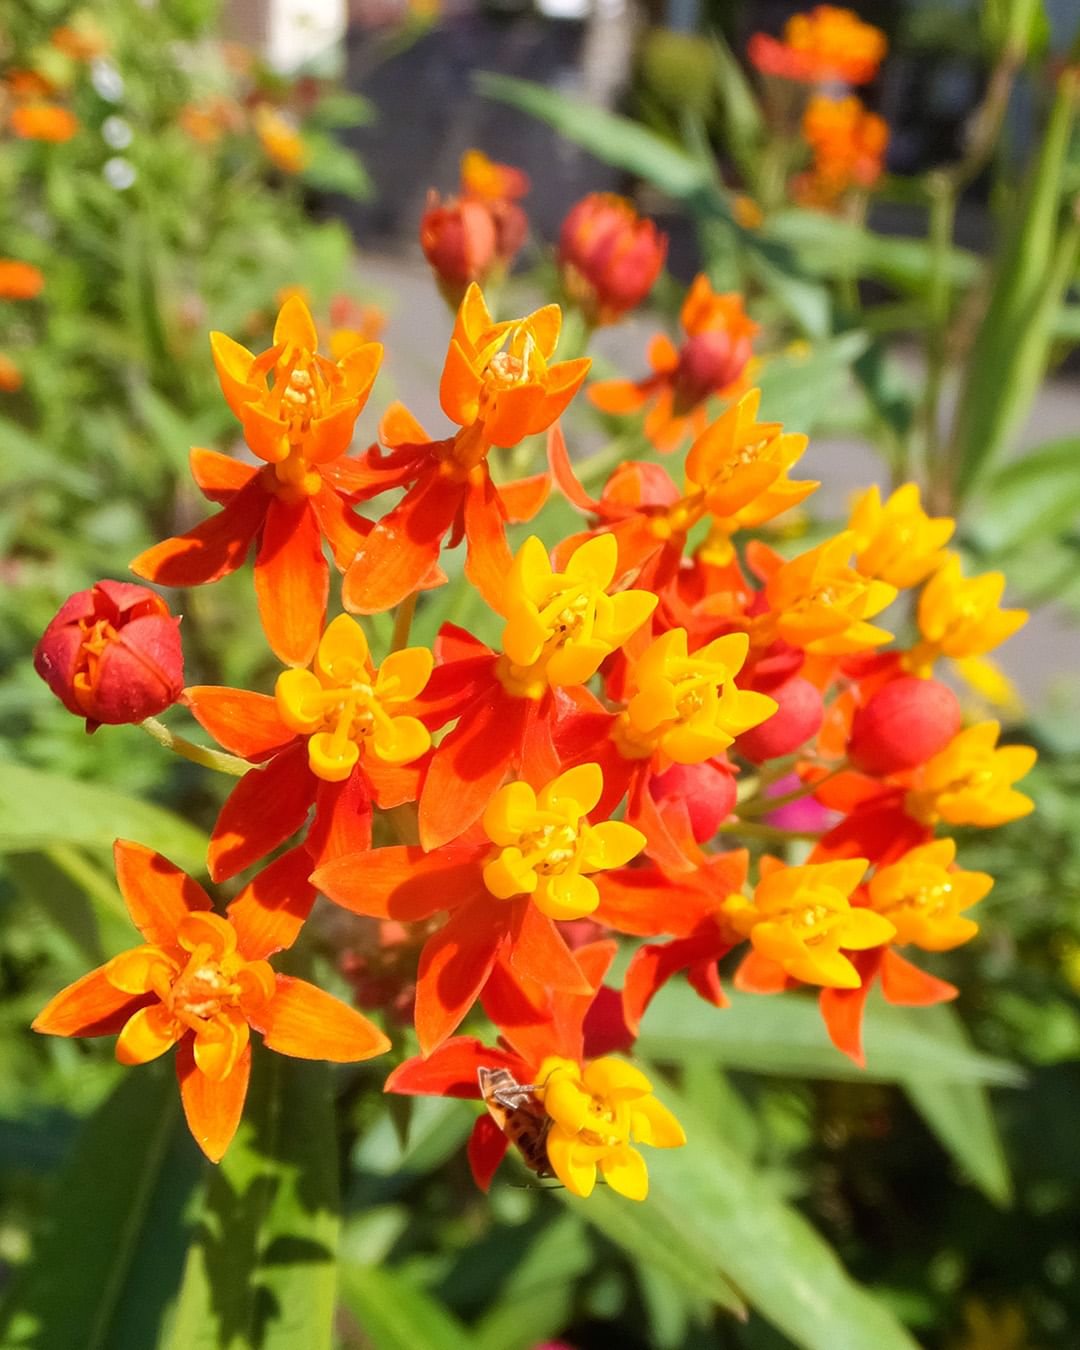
<point>613,139</point>
<point>961,1116</point>
<point>342,109</point>
<point>262,1268</point>
<point>784,1034</point>
<point>110,1257</point>
<point>38,809</point>
<point>770,1253</point>
<point>744,125</point>
<point>394,1313</point>
<point>801,391</point>
<point>333,168</point>
<point>1034,498</point>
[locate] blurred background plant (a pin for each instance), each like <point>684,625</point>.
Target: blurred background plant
<point>173,186</point>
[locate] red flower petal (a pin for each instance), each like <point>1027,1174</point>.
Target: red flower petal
<point>213,1109</point>
<point>469,766</point>
<point>524,497</point>
<point>211,550</point>
<point>488,561</point>
<point>454,966</point>
<point>308,1023</point>
<point>292,581</point>
<point>486,1149</point>
<point>564,475</point>
<point>907,985</point>
<point>345,531</point>
<point>403,547</point>
<point>262,811</point>
<point>451,1070</point>
<point>270,911</point>
<point>342,821</point>
<point>244,723</point>
<point>157,893</point>
<point>538,952</point>
<point>404,883</point>
<point>653,965</point>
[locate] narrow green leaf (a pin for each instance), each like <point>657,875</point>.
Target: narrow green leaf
<point>962,1116</point>
<point>536,1297</point>
<point>38,809</point>
<point>800,391</point>
<point>613,139</point>
<point>111,1254</point>
<point>769,1252</point>
<point>394,1313</point>
<point>262,1269</point>
<point>1034,498</point>
<point>784,1034</point>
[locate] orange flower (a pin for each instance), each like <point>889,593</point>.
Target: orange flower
<point>961,616</point>
<point>712,361</point>
<point>280,138</point>
<point>43,122</point>
<point>826,44</point>
<point>609,256</point>
<point>498,386</point>
<point>19,280</point>
<point>460,242</point>
<point>82,39</point>
<point>923,893</point>
<point>848,143</point>
<point>488,181</point>
<point>970,782</point>
<point>202,982</point>
<point>898,542</point>
<point>10,375</point>
<point>301,424</point>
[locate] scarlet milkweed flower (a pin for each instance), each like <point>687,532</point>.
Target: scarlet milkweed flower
<point>560,627</point>
<point>202,982</point>
<point>43,122</point>
<point>970,782</point>
<point>848,144</point>
<point>281,139</point>
<point>335,737</point>
<point>11,379</point>
<point>609,256</point>
<point>896,541</point>
<point>503,887</point>
<point>19,280</point>
<point>301,425</point>
<point>828,43</point>
<point>711,361</point>
<point>490,181</point>
<point>478,234</point>
<point>499,386</point>
<point>112,654</point>
<point>961,616</point>
<point>801,919</point>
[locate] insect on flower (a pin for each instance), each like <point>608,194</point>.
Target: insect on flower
<point>517,1113</point>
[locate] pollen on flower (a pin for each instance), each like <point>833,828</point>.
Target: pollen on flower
<point>546,846</point>
<point>344,705</point>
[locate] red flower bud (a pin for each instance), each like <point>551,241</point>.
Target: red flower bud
<point>708,790</point>
<point>112,654</point>
<point>708,363</point>
<point>906,723</point>
<point>609,255</point>
<point>460,241</point>
<point>798,717</point>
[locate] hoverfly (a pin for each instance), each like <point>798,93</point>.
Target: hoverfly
<point>519,1115</point>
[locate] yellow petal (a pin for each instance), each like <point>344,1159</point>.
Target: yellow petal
<point>593,562</point>
<point>401,740</point>
<point>508,875</point>
<point>403,674</point>
<point>510,813</point>
<point>298,696</point>
<point>652,1123</point>
<point>624,1171</point>
<point>566,897</point>
<point>343,653</point>
<point>577,791</point>
<point>147,1034</point>
<point>611,844</point>
<point>134,971</point>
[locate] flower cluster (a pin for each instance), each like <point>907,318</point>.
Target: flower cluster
<point>621,759</point>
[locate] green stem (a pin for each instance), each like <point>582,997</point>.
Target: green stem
<point>403,617</point>
<point>943,197</point>
<point>217,760</point>
<point>760,805</point>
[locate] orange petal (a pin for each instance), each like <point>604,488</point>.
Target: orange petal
<point>454,966</point>
<point>469,766</point>
<point>157,893</point>
<point>295,324</point>
<point>842,1013</point>
<point>211,550</point>
<point>523,498</point>
<point>489,559</point>
<point>485,1150</point>
<point>618,396</point>
<point>213,1110</point>
<point>538,952</point>
<point>342,821</point>
<point>270,911</point>
<point>244,723</point>
<point>451,1071</point>
<point>261,812</point>
<point>907,985</point>
<point>563,473</point>
<point>308,1023</point>
<point>148,1034</point>
<point>561,384</point>
<point>399,427</point>
<point>292,581</point>
<point>404,883</point>
<point>89,1007</point>
<point>219,477</point>
<point>397,555</point>
<point>345,531</point>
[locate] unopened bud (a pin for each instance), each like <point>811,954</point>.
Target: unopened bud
<point>905,723</point>
<point>797,718</point>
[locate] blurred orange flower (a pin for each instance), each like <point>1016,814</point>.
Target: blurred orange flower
<point>828,43</point>
<point>19,280</point>
<point>43,122</point>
